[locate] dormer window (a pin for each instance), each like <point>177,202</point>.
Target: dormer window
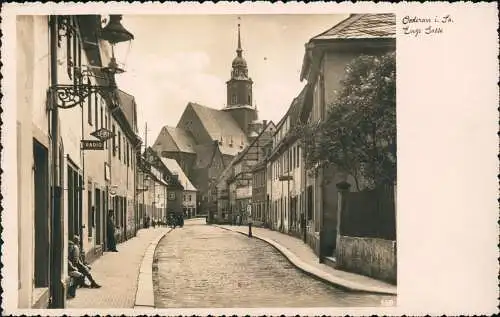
<point>233,99</point>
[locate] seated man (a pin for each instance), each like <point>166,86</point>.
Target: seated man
<point>76,261</point>
<point>76,279</point>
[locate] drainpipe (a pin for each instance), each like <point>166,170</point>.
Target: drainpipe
<point>57,286</point>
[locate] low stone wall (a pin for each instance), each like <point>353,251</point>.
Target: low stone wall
<point>313,242</point>
<point>368,256</point>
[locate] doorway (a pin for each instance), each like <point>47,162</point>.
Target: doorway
<point>41,210</point>
<point>99,218</point>
<point>74,187</point>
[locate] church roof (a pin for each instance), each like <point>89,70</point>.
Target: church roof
<point>220,124</point>
<point>204,154</point>
<point>174,139</point>
<point>362,26</point>
<point>174,168</point>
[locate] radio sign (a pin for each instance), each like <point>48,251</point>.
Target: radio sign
<point>91,145</point>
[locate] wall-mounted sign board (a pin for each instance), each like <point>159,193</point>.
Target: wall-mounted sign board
<point>103,134</point>
<point>91,145</point>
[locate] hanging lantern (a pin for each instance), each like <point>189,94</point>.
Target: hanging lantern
<point>114,33</point>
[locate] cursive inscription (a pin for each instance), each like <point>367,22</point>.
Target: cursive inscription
<point>420,26</point>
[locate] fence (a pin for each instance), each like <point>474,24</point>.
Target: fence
<point>367,240</point>
<point>370,214</point>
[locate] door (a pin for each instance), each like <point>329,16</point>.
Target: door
<point>79,206</point>
<point>41,214</point>
<point>90,212</point>
<point>98,212</point>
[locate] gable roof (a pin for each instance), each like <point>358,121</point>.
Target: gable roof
<point>125,113</point>
<point>174,168</point>
<point>354,29</point>
<point>266,131</point>
<point>362,26</point>
<point>297,108</point>
<point>173,139</point>
<point>220,124</point>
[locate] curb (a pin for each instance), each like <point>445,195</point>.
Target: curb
<point>314,272</point>
<point>144,296</point>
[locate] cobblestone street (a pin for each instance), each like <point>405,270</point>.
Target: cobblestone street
<point>206,266</point>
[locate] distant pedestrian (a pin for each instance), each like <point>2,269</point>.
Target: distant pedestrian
<point>111,229</point>
<point>249,219</point>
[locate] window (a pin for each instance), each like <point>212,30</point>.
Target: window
<point>106,126</point>
<point>129,153</point>
<point>298,156</point>
<point>123,138</point>
<point>114,141</point>
<point>119,145</point>
<point>189,197</point>
<point>171,196</point>
<point>89,111</point>
<point>233,99</point>
<point>96,118</point>
<point>184,197</point>
<point>102,118</point>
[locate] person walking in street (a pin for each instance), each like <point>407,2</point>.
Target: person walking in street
<point>249,219</point>
<point>75,258</point>
<point>111,229</point>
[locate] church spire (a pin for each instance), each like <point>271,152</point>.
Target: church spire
<point>239,50</point>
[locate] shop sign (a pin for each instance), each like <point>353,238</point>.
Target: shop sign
<point>103,134</point>
<point>91,145</point>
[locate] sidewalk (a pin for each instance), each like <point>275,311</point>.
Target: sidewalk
<point>117,273</point>
<point>303,257</point>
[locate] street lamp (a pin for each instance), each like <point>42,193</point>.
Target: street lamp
<point>68,96</point>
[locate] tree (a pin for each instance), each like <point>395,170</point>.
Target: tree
<point>358,135</point>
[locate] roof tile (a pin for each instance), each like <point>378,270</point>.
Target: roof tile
<point>220,124</point>
<point>362,26</point>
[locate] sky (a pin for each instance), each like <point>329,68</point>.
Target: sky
<point>176,59</point>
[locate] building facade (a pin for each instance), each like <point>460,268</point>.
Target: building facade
<point>324,64</point>
<point>285,166</point>
<point>235,183</point>
<point>189,191</point>
<point>67,194</point>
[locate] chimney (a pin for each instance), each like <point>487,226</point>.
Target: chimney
<point>264,123</point>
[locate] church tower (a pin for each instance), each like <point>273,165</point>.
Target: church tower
<point>239,91</point>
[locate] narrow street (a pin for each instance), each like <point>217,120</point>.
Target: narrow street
<point>205,266</point>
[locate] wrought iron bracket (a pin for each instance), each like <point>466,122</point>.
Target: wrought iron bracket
<point>65,27</point>
<point>69,96</point>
